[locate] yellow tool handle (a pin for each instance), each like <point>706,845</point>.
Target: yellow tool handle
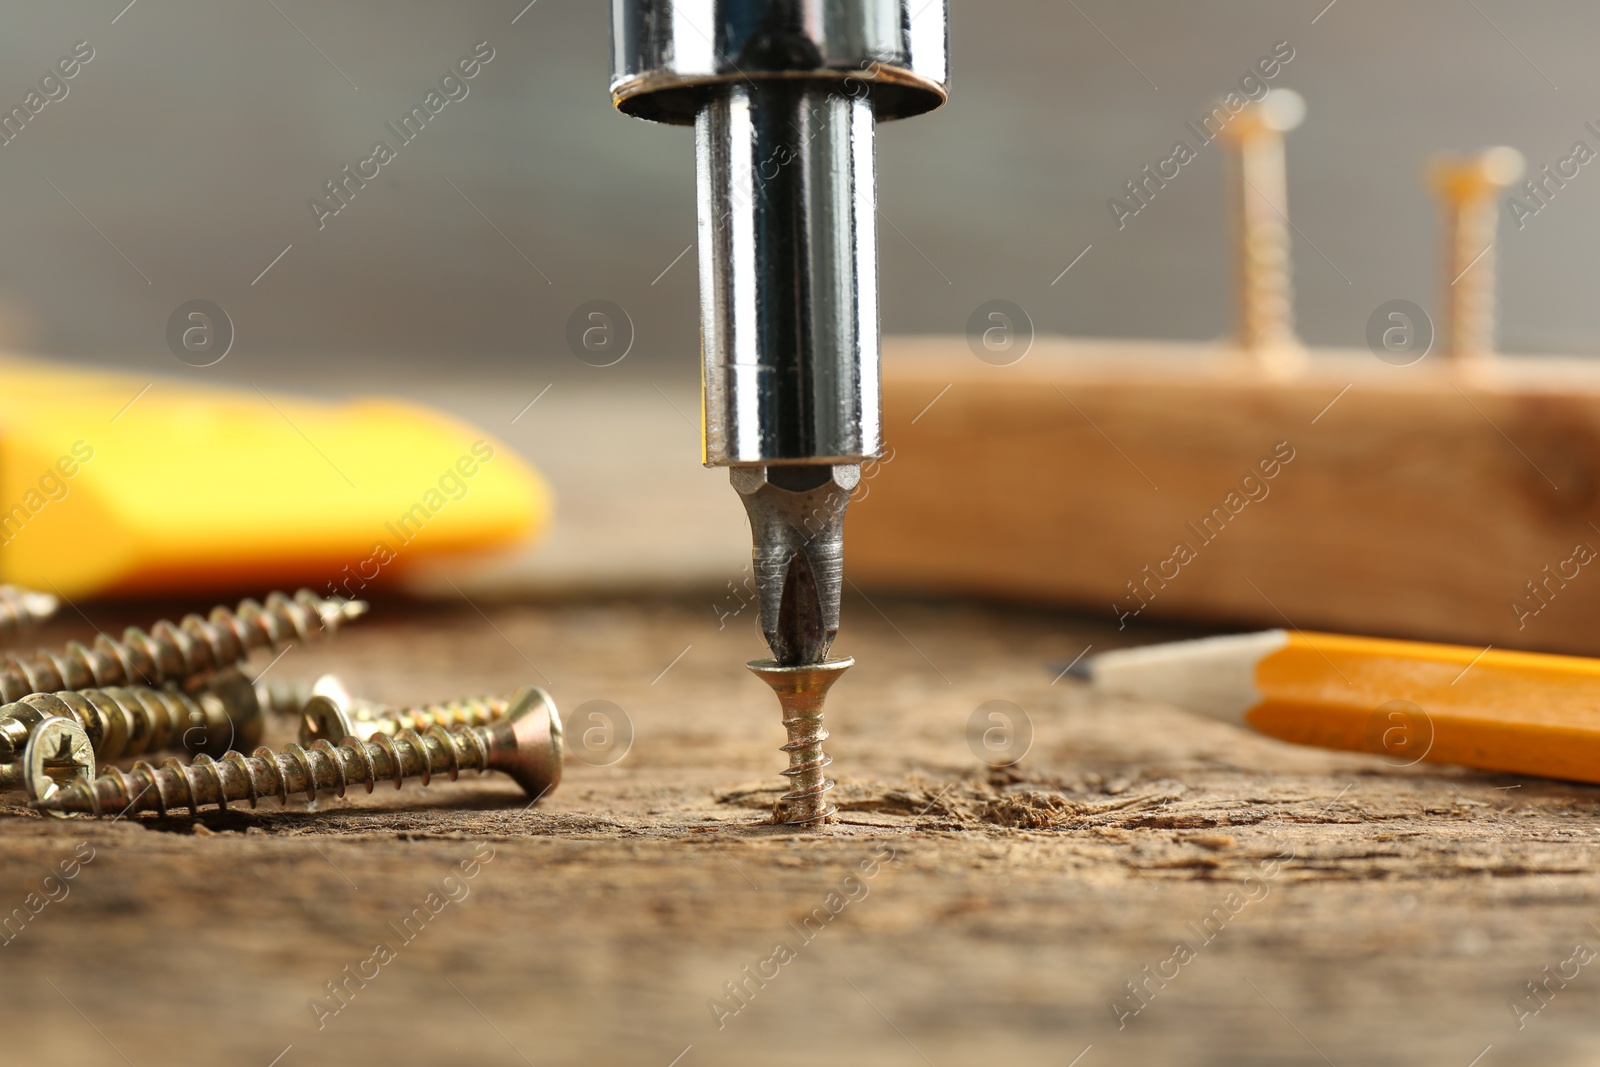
<point>116,484</point>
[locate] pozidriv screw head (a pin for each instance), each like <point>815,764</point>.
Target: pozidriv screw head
<point>58,751</point>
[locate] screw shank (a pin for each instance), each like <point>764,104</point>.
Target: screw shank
<point>175,652</point>
<point>527,747</point>
<point>367,720</point>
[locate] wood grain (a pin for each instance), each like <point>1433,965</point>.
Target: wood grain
<point>1008,910</point>
<point>1416,504</point>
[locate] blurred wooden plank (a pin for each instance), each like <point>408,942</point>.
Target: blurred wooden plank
<point>1401,500</point>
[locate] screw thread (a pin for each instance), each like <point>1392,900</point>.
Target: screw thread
<point>1469,292</point>
<point>176,651</point>
<point>1467,189</point>
<point>807,801</point>
<point>801,691</point>
<point>22,610</point>
<point>1266,294</point>
<point>123,721</point>
<point>321,768</point>
<point>467,711</point>
<point>366,721</point>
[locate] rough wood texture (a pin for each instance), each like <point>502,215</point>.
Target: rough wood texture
<point>1005,913</point>
<point>1415,505</point>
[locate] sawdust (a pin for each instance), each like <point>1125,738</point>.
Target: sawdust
<point>1007,799</point>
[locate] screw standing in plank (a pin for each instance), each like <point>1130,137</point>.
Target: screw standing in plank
<point>22,610</point>
<point>59,751</point>
<point>1261,227</point>
<point>175,652</point>
<point>335,720</point>
<point>801,691</point>
<point>1466,189</point>
<point>526,744</point>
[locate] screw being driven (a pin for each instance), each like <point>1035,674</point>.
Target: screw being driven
<point>174,652</point>
<point>126,721</point>
<point>321,718</point>
<point>22,610</point>
<point>801,691</point>
<point>526,744</point>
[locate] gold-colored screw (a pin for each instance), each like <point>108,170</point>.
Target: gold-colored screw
<point>133,720</point>
<point>801,691</point>
<point>22,610</point>
<point>526,744</point>
<point>289,698</point>
<point>175,652</point>
<point>1466,188</point>
<point>1265,291</point>
<point>320,717</point>
<point>58,752</point>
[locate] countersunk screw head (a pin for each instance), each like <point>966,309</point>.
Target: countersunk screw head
<point>532,729</point>
<point>527,744</point>
<point>325,718</point>
<point>240,722</point>
<point>58,750</point>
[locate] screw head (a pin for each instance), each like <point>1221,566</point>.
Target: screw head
<point>323,724</point>
<point>332,687</point>
<point>1282,110</point>
<point>803,684</point>
<point>58,751</point>
<point>1465,177</point>
<point>323,717</point>
<point>238,718</point>
<point>533,726</point>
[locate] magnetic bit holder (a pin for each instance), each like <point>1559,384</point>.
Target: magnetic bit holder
<point>801,691</point>
<point>784,106</point>
<point>784,98</point>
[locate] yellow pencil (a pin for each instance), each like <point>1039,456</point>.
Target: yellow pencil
<point>1514,712</point>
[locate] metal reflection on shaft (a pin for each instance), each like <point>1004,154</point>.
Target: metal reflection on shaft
<point>788,275</point>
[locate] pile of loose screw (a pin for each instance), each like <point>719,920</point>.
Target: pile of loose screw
<point>186,688</point>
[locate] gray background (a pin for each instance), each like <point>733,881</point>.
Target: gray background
<point>195,137</point>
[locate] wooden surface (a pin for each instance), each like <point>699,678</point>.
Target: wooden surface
<point>1007,910</point>
<point>1416,503</point>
